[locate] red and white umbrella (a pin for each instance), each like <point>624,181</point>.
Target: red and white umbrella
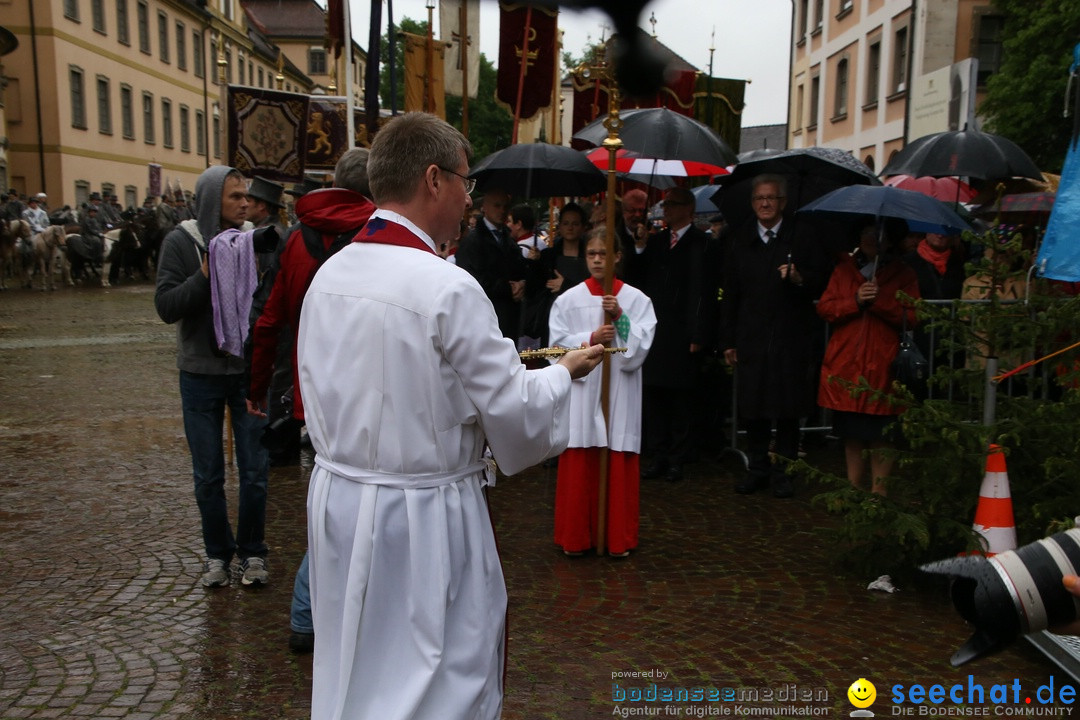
<point>630,162</point>
<point>946,189</point>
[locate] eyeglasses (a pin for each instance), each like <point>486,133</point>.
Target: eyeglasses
<point>766,198</point>
<point>470,184</point>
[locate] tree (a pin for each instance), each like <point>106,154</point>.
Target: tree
<point>490,125</point>
<point>1026,95</point>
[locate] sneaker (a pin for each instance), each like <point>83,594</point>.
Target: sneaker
<point>302,643</point>
<point>254,571</point>
<point>216,575</point>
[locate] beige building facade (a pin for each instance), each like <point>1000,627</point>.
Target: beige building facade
<point>101,91</point>
<point>856,63</point>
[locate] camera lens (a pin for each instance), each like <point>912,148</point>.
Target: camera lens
<point>1012,593</point>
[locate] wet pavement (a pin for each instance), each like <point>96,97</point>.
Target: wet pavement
<point>100,557</point>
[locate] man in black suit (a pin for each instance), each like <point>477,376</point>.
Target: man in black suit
<point>491,256</point>
<point>671,270</point>
<point>771,279</point>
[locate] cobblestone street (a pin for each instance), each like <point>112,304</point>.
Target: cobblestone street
<point>100,557</point>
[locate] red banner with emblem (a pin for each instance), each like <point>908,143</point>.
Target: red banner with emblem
<point>528,60</point>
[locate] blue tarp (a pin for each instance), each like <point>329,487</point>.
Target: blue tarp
<point>1059,255</point>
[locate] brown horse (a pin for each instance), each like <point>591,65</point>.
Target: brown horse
<point>12,234</point>
<point>50,246</point>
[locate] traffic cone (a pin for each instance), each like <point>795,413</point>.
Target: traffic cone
<point>994,515</point>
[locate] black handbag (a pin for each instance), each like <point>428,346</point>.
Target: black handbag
<point>910,367</point>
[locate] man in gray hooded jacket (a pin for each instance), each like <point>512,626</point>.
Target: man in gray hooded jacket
<point>210,380</point>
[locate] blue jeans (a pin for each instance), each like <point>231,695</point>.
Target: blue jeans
<point>300,612</point>
<point>204,398</point>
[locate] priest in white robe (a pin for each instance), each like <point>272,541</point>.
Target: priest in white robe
<point>405,375</point>
<point>584,314</point>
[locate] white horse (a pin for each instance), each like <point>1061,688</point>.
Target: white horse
<point>50,247</point>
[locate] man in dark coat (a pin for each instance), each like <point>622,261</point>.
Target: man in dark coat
<point>771,278</point>
<point>671,270</point>
<point>490,255</point>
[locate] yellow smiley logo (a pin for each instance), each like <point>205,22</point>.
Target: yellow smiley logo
<point>862,693</point>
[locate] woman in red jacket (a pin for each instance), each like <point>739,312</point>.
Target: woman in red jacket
<point>866,316</point>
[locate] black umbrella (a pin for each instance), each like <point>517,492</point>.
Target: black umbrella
<point>662,134</point>
<point>922,213</point>
<point>965,153</point>
<point>810,173</point>
<point>538,170</point>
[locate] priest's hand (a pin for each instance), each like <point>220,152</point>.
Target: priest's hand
<point>255,409</point>
<point>581,362</point>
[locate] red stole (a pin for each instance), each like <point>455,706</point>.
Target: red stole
<point>595,288</point>
<point>383,231</point>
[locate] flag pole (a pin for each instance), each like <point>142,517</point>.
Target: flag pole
<point>464,41</point>
<point>371,80</point>
<point>429,57</point>
<point>521,75</point>
<point>350,98</point>
<point>613,144</point>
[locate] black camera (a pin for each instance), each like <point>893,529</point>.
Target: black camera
<point>281,433</point>
<point>1012,593</point>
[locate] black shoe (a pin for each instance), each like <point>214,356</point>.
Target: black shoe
<point>655,470</point>
<point>674,473</point>
<point>782,487</point>
<point>302,643</point>
<point>748,485</point>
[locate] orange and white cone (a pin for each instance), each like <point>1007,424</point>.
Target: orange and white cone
<point>994,515</point>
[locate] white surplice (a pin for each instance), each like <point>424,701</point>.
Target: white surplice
<point>576,314</point>
<point>404,372</point>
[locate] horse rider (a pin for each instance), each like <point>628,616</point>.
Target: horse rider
<point>93,233</point>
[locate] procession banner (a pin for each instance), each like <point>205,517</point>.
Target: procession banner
<point>154,179</point>
<point>464,46</point>
<point>335,26</point>
<point>327,134</point>
<point>718,103</point>
<point>423,77</point>
<point>527,64</point>
<point>266,132</point>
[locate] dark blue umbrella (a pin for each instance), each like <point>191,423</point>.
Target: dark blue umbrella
<point>922,213</point>
<point>703,200</point>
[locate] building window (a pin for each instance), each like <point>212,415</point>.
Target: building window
<point>251,73</point>
<point>845,7</point>
<point>104,107</point>
<point>97,15</point>
<point>316,61</point>
<point>873,72</point>
<point>196,53</point>
<point>840,99</point>
<point>71,10</point>
<point>181,46</point>
<point>78,97</point>
<point>163,35</point>
<point>131,197</point>
<point>869,161</point>
<point>804,20</point>
<point>261,77</point>
<point>122,22</point>
<point>228,66</point>
<point>815,95</point>
<point>216,130</point>
<point>166,123</point>
<point>200,132</point>
<point>142,17</point>
<point>82,192</point>
<point>819,14</point>
<point>799,106</point>
<point>127,112</point>
<point>240,68</point>
<point>148,117</point>
<point>213,62</point>
<point>900,56</point>
<point>988,34</point>
<point>185,129</point>
<point>227,9</point>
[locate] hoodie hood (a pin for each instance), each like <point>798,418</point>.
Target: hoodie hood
<point>334,210</point>
<point>207,202</point>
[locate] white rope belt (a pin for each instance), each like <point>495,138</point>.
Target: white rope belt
<point>419,481</point>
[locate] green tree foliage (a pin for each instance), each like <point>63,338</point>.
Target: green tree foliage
<point>1025,98</point>
<point>490,125</point>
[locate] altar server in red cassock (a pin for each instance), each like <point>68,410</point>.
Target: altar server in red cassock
<point>584,314</point>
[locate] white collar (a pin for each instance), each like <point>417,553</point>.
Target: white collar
<point>775,229</point>
<point>404,222</point>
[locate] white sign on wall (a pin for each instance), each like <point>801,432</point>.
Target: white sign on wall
<point>943,100</point>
